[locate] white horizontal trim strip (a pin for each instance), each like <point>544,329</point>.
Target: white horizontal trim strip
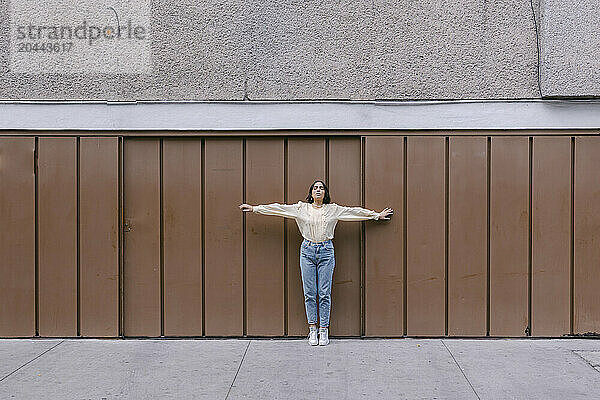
<point>518,114</point>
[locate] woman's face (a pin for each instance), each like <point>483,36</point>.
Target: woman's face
<point>318,191</point>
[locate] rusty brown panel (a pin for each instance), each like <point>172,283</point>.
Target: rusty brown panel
<point>467,237</point>
<point>509,236</point>
<point>345,189</point>
<point>264,239</point>
<point>223,269</point>
<point>551,236</point>
<point>57,227</point>
<point>99,236</point>
<point>182,225</point>
<point>426,231</point>
<point>17,237</point>
<point>586,312</point>
<point>141,269</point>
<point>384,252</point>
<point>306,163</point>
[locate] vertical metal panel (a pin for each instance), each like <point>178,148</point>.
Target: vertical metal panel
<point>587,234</point>
<point>467,236</point>
<point>17,237</point>
<point>384,255</point>
<point>551,236</point>
<point>265,259</point>
<point>141,268</point>
<point>426,222</point>
<point>509,236</point>
<point>98,231</point>
<point>57,224</point>
<point>223,240</point>
<point>306,163</point>
<point>182,224</point>
<point>265,247</point>
<point>345,186</point>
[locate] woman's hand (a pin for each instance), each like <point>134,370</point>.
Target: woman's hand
<point>246,207</point>
<point>386,211</point>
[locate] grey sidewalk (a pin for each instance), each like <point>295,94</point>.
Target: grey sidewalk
<point>291,369</point>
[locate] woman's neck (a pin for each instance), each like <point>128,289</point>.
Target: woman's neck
<point>318,203</point>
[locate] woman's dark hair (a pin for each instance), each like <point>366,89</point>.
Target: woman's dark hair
<point>326,198</point>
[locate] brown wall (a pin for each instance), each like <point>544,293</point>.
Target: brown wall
<point>119,236</point>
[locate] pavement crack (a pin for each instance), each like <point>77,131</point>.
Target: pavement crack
<point>32,360</point>
<point>585,359</point>
<point>238,370</point>
<point>461,370</point>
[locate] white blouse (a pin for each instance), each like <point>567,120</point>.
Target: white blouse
<point>316,223</point>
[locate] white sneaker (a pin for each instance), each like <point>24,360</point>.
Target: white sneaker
<point>312,337</point>
<point>323,336</point>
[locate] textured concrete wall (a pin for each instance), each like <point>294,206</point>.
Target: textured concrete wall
<point>307,49</point>
<point>570,41</point>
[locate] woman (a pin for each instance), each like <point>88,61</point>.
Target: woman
<point>316,220</point>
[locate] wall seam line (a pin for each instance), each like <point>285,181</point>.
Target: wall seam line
<point>121,250</point>
<point>37,238</point>
<point>488,277</point>
<point>530,244</point>
<point>573,143</point>
<point>404,238</point>
<point>161,240</point>
<point>446,229</point>
<point>285,241</point>
<point>203,218</point>
<point>78,232</point>
<point>363,255</point>
<point>244,271</point>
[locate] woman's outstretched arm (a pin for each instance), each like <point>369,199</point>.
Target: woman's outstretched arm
<point>277,209</point>
<point>344,213</point>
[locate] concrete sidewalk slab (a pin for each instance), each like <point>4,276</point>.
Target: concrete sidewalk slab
<point>525,369</point>
<point>128,369</point>
<point>14,353</point>
<point>591,357</point>
<point>350,369</point>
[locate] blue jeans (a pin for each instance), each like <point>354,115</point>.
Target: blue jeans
<point>317,261</point>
